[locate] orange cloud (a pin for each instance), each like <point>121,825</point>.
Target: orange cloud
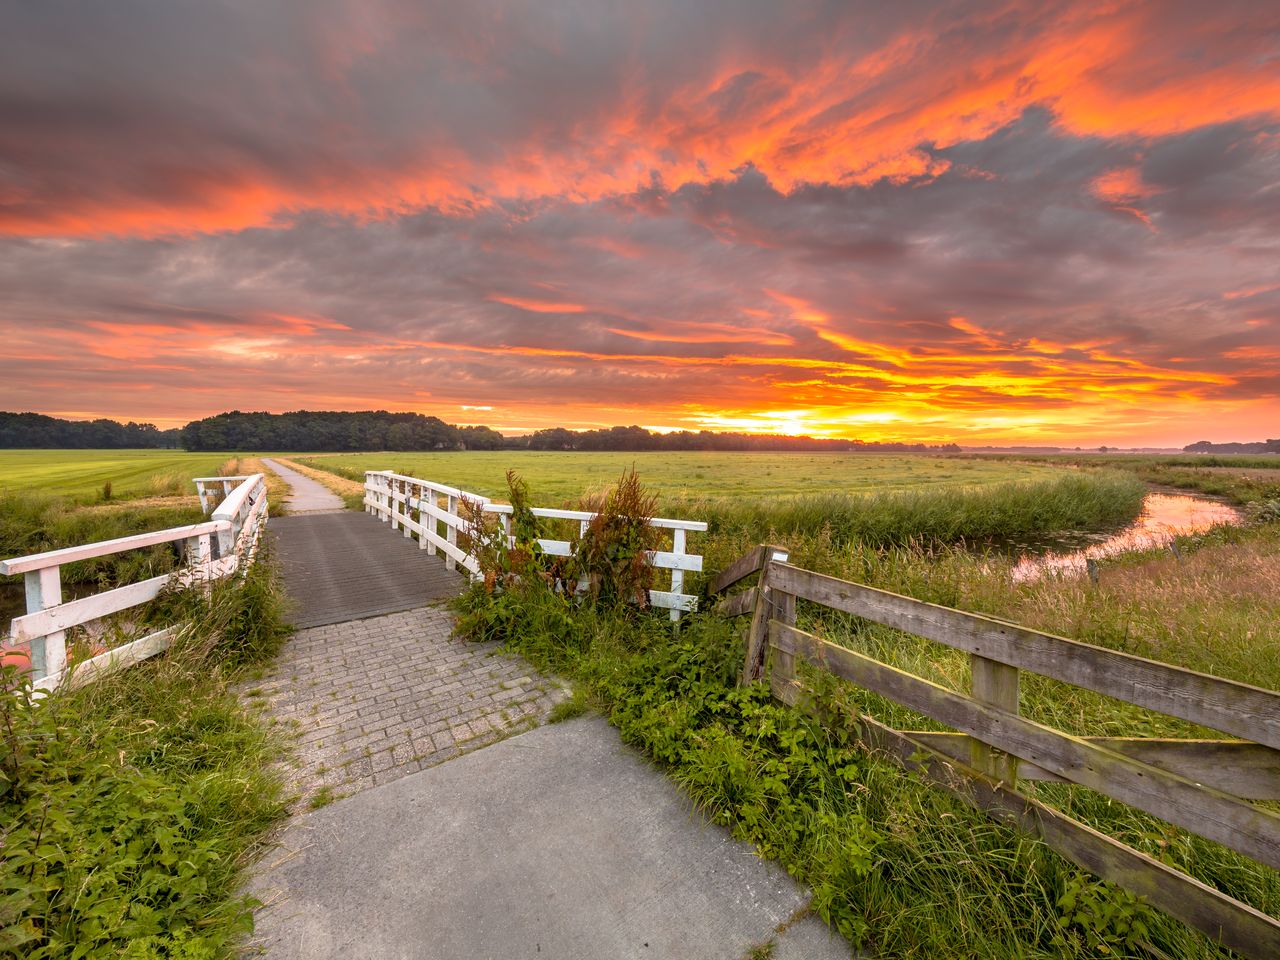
<point>537,306</point>
<point>829,110</point>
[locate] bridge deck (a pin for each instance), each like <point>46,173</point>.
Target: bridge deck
<point>348,566</point>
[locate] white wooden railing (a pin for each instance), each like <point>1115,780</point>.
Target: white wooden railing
<point>213,549</point>
<point>394,498</point>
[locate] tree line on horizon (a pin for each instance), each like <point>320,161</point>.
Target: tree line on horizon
<point>367,430</point>
<point>40,432</point>
<point>341,431</point>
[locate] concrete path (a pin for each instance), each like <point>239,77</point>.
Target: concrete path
<point>375,700</point>
<point>345,566</point>
<point>560,844</point>
<point>305,495</point>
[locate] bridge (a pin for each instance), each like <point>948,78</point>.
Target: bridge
<point>437,813</point>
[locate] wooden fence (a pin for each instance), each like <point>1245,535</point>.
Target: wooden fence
<point>436,513</point>
<point>1203,786</point>
<point>213,549</point>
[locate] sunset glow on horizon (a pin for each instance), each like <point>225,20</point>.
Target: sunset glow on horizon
<point>996,223</point>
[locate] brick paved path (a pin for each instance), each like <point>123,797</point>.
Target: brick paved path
<point>373,700</point>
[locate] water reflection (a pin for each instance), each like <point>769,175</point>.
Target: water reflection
<point>1164,516</point>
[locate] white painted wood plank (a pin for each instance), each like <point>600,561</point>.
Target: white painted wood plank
<point>552,513</point>
<point>110,662</point>
<point>104,548</point>
<point>672,601</point>
<point>675,561</point>
<point>444,516</point>
<point>64,616</point>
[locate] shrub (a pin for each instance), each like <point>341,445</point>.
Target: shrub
<point>611,554</point>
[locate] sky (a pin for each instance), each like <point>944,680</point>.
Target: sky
<point>987,223</point>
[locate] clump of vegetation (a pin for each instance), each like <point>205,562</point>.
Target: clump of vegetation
<point>611,554</point>
<point>128,807</point>
<point>510,552</point>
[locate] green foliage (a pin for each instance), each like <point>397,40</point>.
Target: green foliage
<point>1101,916</point>
<point>127,807</point>
<point>512,553</point>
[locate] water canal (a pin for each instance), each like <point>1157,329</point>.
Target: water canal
<point>1164,517</point>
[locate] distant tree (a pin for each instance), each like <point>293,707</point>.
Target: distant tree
<point>35,430</point>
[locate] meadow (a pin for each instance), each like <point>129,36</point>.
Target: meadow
<point>694,476</point>
<point>82,474</point>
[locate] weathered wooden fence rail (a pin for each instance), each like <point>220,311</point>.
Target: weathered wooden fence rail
<point>436,513</point>
<point>1203,786</point>
<point>213,549</point>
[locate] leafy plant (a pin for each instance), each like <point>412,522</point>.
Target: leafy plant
<point>611,553</point>
<point>1101,916</point>
<point>510,552</point>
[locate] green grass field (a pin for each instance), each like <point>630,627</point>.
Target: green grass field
<point>81,474</point>
<point>555,477</point>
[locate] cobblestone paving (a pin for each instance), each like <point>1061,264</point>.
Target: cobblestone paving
<point>374,700</point>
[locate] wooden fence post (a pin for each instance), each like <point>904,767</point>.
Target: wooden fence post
<point>758,635</point>
<point>782,666</point>
<point>994,683</point>
<point>44,590</point>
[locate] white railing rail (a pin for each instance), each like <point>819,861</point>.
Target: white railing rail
<point>393,497</point>
<point>213,549</point>
<point>207,488</point>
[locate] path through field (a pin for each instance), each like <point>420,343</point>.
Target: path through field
<point>556,842</point>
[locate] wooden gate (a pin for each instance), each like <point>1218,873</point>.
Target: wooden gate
<point>1203,786</point>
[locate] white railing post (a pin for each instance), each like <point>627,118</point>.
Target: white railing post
<point>431,523</point>
<point>423,517</point>
<point>677,575</point>
<point>451,532</point>
<point>44,590</point>
<point>407,511</point>
<point>203,495</point>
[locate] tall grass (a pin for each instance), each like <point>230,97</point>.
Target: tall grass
<point>1079,501</point>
